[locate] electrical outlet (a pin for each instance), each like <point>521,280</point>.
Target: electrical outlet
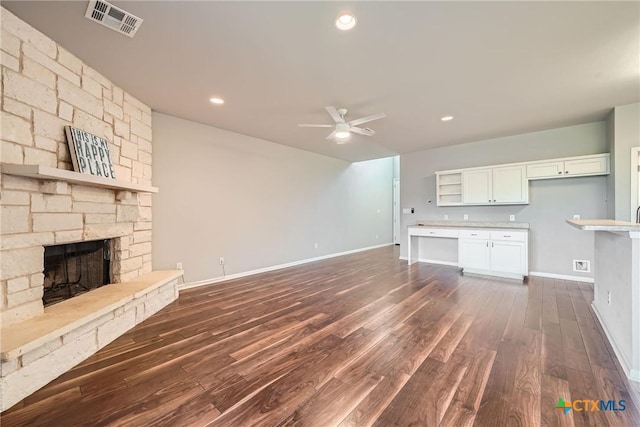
<point>179,266</point>
<point>609,297</point>
<point>221,260</point>
<point>581,266</point>
<point>576,216</point>
<point>466,217</point>
<point>512,217</point>
<point>446,217</point>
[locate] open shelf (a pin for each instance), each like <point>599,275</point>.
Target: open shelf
<point>46,173</point>
<point>449,189</point>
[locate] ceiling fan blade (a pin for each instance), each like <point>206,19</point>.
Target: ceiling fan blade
<point>332,135</point>
<point>334,114</point>
<point>361,131</point>
<point>305,125</point>
<point>367,119</point>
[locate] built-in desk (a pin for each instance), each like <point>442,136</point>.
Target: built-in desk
<point>490,248</point>
<point>616,288</point>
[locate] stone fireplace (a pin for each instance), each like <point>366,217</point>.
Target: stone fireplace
<point>58,213</point>
<point>44,204</point>
<point>72,269</point>
<point>44,89</point>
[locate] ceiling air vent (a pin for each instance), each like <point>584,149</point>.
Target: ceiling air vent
<point>113,17</point>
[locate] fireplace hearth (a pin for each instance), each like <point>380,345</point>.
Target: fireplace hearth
<point>75,268</point>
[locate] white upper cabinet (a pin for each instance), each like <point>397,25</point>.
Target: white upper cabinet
<point>509,184</point>
<point>545,170</point>
<point>572,166</point>
<point>587,166</point>
<point>476,187</point>
<point>501,185</point>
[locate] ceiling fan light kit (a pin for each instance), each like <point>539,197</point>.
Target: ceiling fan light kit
<point>343,129</point>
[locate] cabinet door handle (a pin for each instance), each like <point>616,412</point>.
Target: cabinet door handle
<point>507,235</point>
<point>494,200</point>
<point>487,244</point>
<point>559,172</point>
<point>566,171</point>
<point>491,244</point>
<point>489,200</point>
<point>474,234</point>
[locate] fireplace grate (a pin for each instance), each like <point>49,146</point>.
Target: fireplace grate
<point>75,268</point>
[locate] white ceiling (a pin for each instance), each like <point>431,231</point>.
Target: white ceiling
<point>501,68</point>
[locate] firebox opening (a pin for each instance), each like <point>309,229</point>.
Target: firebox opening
<point>75,268</point>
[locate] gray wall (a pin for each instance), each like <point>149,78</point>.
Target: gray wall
<point>553,244</point>
<point>614,254</point>
<point>626,134</point>
<point>611,179</point>
<point>257,203</point>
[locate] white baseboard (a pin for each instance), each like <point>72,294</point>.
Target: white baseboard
<point>632,374</point>
<point>531,273</point>
<point>474,271</point>
<point>435,261</point>
<point>432,261</point>
<point>562,276</point>
<point>274,267</point>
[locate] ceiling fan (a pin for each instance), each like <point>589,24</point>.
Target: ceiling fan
<point>342,129</point>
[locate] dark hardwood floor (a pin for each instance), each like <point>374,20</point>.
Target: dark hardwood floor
<point>357,340</point>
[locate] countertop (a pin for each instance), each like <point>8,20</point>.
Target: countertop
<point>603,225</point>
<point>472,224</point>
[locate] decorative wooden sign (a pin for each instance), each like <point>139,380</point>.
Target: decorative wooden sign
<point>89,153</point>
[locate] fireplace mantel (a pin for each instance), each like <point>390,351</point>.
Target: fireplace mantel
<point>47,173</point>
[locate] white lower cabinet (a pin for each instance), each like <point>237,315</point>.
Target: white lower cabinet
<point>507,257</point>
<point>498,252</point>
<point>474,253</point>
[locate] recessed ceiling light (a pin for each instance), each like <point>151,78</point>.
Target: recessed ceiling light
<point>446,118</point>
<point>217,101</point>
<point>346,21</point>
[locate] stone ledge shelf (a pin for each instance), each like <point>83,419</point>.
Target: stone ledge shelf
<point>46,173</point>
<point>64,317</point>
<point>38,350</point>
<point>610,225</point>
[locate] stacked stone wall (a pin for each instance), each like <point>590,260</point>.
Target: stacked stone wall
<point>44,88</point>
